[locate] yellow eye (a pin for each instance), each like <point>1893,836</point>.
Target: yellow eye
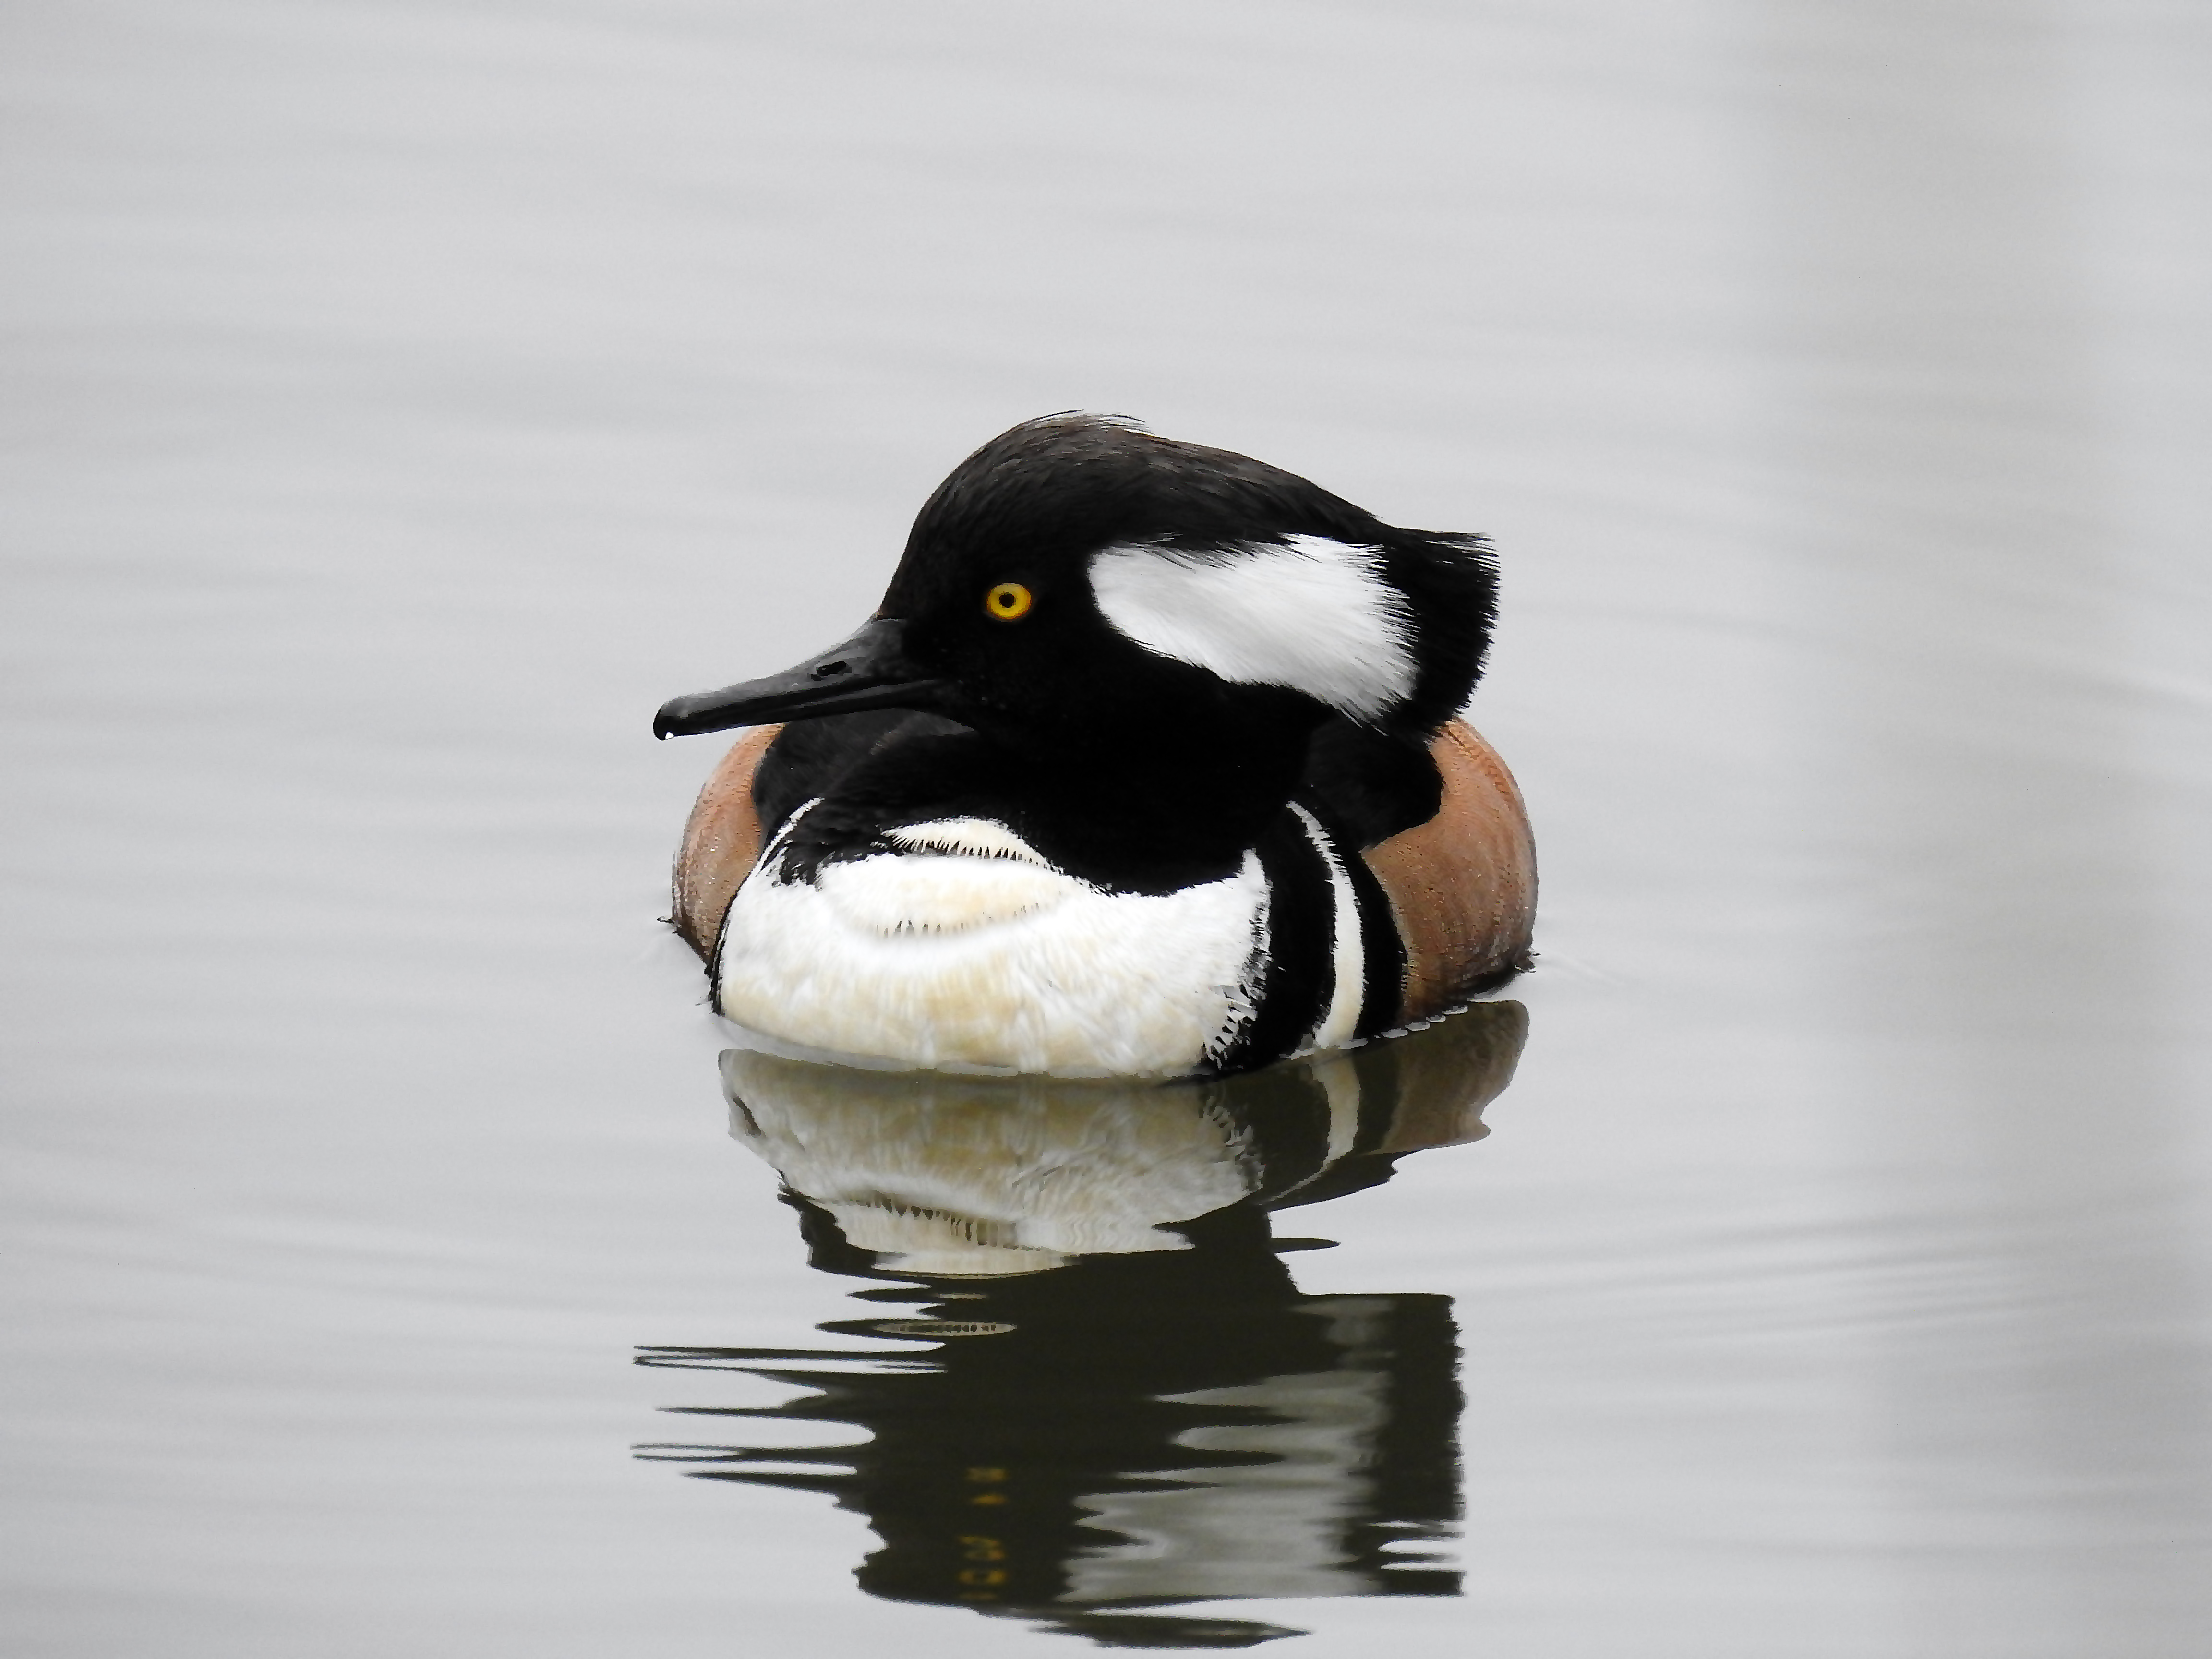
<point>1008,602</point>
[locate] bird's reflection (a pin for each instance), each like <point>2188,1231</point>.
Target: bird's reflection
<point>1106,1392</point>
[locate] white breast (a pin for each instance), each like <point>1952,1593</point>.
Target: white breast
<point>972,952</point>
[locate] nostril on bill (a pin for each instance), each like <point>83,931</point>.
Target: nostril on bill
<point>825,671</point>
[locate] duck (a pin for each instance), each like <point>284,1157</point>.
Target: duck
<point>1150,764</point>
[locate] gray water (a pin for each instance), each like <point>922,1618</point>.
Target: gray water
<point>402,400</point>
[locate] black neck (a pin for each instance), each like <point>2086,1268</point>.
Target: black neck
<point>1152,814</point>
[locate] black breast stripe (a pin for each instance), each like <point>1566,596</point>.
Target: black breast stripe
<point>1300,975</point>
<point>1381,949</point>
<point>1382,952</point>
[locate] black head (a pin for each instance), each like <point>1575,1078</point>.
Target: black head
<point>1078,577</point>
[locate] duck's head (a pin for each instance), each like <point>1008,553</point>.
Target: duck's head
<point>1079,577</point>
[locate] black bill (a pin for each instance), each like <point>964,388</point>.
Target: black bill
<point>869,671</point>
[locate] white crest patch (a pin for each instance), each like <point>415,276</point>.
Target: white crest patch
<point>1314,614</point>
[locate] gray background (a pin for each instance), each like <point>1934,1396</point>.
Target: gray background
<point>401,400</point>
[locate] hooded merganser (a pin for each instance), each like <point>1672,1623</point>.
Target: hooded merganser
<point>1149,763</point>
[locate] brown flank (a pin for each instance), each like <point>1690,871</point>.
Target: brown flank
<point>1462,886</point>
<point>721,841</point>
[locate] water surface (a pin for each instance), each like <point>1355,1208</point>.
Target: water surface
<point>401,401</point>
